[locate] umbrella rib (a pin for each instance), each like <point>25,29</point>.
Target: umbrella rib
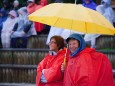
<point>56,20</point>
<point>86,27</point>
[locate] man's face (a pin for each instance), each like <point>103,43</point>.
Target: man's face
<point>73,45</point>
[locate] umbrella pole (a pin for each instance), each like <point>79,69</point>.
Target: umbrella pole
<point>64,62</point>
<point>75,1</point>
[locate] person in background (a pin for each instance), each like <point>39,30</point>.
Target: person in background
<point>3,17</point>
<point>48,70</point>
<point>106,10</point>
<point>16,6</point>
<point>32,7</point>
<point>85,66</point>
<point>89,4</point>
<point>22,30</point>
<point>43,2</point>
<point>90,39</point>
<point>6,6</point>
<point>7,29</point>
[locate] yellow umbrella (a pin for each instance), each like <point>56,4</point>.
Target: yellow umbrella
<point>73,17</point>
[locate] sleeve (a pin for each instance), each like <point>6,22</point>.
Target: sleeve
<point>15,27</point>
<point>40,67</point>
<point>42,64</point>
<point>27,27</point>
<point>54,72</point>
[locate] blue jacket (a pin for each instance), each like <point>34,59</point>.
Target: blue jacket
<point>91,5</point>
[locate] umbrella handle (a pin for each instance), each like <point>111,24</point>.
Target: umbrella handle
<point>64,62</point>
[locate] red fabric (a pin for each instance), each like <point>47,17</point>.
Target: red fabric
<point>88,68</point>
<point>38,26</point>
<point>33,8</point>
<point>43,2</point>
<point>52,72</point>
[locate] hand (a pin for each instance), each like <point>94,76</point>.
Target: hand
<point>23,33</point>
<point>62,67</point>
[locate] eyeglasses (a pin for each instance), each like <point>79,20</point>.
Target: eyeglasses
<point>52,42</point>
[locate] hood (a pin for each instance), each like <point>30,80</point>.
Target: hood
<point>85,0</point>
<point>13,13</point>
<point>23,11</point>
<point>81,42</point>
<point>43,2</point>
<point>16,2</point>
<point>108,2</point>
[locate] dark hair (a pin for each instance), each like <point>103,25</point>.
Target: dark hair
<point>59,41</point>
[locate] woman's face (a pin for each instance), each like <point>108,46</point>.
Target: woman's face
<point>73,45</point>
<point>53,45</point>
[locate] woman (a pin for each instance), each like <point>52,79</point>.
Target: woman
<point>7,29</point>
<point>3,17</point>
<point>48,70</point>
<point>86,67</point>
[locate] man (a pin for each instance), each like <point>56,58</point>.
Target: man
<point>86,67</point>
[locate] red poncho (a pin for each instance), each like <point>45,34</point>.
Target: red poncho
<point>52,72</point>
<point>38,26</point>
<point>88,68</point>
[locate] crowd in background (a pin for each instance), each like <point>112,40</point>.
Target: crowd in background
<point>14,23</point>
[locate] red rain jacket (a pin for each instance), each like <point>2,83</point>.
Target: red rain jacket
<point>52,72</point>
<point>43,2</point>
<point>38,26</point>
<point>88,68</point>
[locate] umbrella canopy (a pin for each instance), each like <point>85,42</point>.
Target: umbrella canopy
<point>73,17</point>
